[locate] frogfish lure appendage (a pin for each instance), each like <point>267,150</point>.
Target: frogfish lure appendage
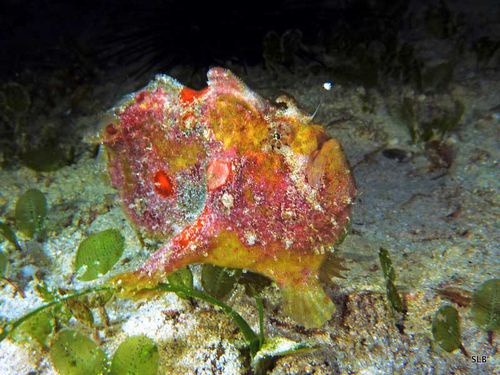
<point>225,177</point>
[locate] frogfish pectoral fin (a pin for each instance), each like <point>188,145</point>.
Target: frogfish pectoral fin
<point>134,285</point>
<point>141,283</point>
<point>307,303</point>
<point>188,247</point>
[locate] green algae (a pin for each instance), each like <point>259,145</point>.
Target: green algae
<point>219,281</point>
<point>7,232</point>
<point>278,347</point>
<point>54,301</point>
<point>37,329</point>
<point>4,264</point>
<point>390,278</point>
<point>47,157</point>
<point>424,127</point>
<point>446,328</point>
<point>31,209</point>
<point>72,353</point>
<point>387,267</point>
<point>98,253</point>
<point>137,355</point>
<point>183,278</point>
<point>485,308</point>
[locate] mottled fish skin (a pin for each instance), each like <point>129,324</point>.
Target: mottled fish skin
<point>227,178</point>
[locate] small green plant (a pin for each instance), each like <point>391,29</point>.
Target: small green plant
<point>30,212</point>
<point>31,209</point>
<point>35,145</point>
<point>446,329</point>
<point>4,264</point>
<point>137,355</point>
<point>7,232</point>
<point>277,347</point>
<point>485,307</point>
<point>55,303</point>
<point>11,237</point>
<point>390,277</point>
<point>485,312</point>
<point>72,353</point>
<point>98,253</point>
<point>437,127</point>
<point>428,122</point>
<point>183,277</point>
<point>47,157</point>
<point>37,328</point>
<point>4,269</point>
<point>219,281</point>
<point>407,114</point>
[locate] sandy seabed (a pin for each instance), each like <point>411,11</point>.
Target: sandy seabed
<point>439,223</point>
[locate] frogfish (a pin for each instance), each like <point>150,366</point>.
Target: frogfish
<point>225,177</point>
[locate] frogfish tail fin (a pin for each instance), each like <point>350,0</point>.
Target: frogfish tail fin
<point>308,304</point>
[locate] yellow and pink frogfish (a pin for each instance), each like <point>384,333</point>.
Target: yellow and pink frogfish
<point>227,178</point>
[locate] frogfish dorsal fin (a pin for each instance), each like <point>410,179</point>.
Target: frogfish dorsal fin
<point>223,82</point>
